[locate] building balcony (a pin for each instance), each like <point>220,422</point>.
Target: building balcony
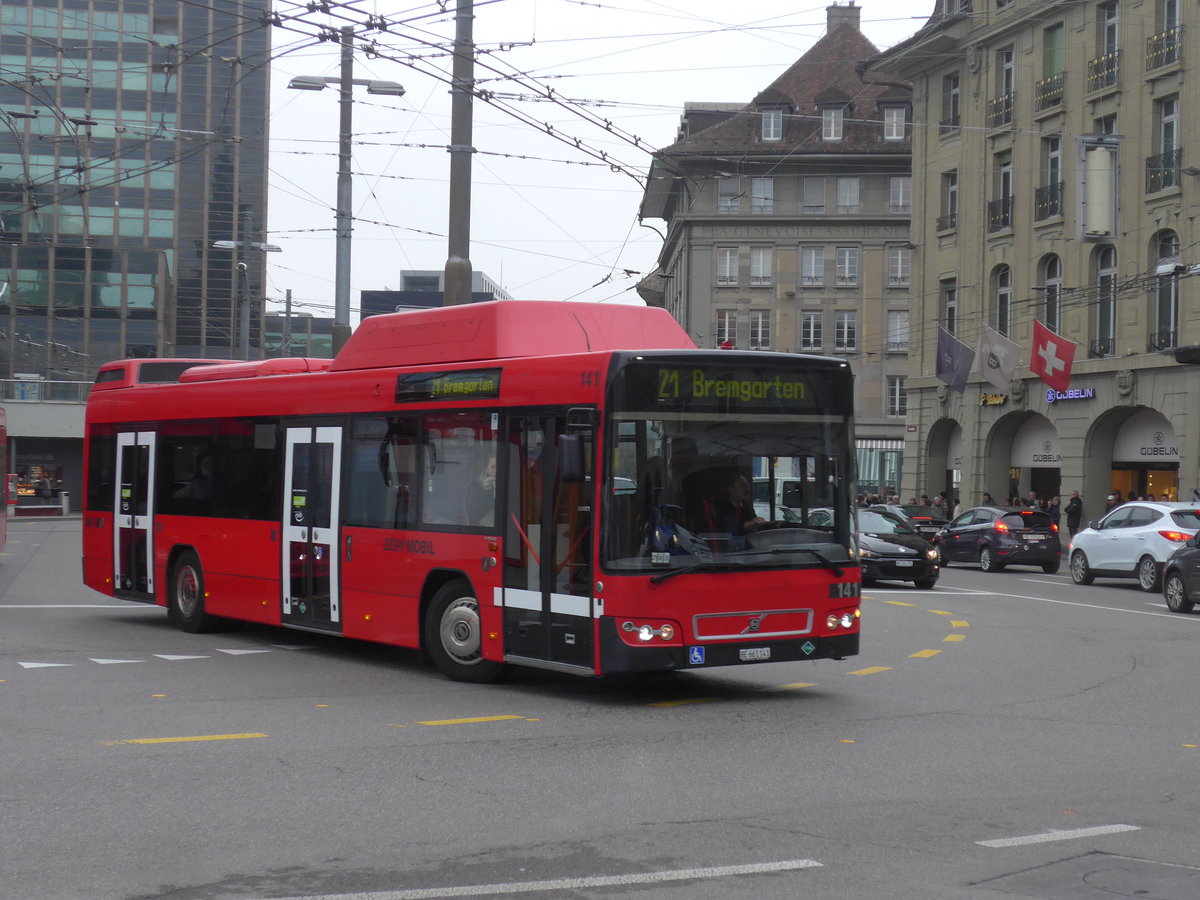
<point>1102,348</point>
<point>1000,214</point>
<point>1163,340</point>
<point>1163,171</point>
<point>1104,71</point>
<point>1000,110</point>
<point>1048,201</point>
<point>1048,93</point>
<point>1164,48</point>
<point>948,222</point>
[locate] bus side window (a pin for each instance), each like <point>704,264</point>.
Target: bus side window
<point>459,448</point>
<point>382,469</point>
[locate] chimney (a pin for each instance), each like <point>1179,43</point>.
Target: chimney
<point>842,15</point>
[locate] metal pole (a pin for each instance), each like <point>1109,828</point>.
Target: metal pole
<point>286,349</point>
<point>458,261</point>
<point>341,299</point>
<point>243,290</point>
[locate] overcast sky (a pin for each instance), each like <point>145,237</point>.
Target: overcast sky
<point>551,219</point>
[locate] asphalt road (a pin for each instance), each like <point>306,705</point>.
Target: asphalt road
<point>1007,735</point>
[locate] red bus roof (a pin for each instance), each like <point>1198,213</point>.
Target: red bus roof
<point>504,329</point>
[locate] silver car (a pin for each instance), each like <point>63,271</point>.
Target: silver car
<point>1133,541</point>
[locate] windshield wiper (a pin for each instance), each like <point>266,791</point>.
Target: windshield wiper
<point>774,551</point>
<point>695,567</point>
<point>821,557</point>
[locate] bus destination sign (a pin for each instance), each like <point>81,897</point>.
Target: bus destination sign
<point>466,384</point>
<point>706,386</point>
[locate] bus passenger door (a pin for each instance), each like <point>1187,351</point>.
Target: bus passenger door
<point>547,549</point>
<point>312,474</point>
<point>133,547</point>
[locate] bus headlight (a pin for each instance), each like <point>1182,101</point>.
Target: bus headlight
<point>646,632</point>
<point>842,620</point>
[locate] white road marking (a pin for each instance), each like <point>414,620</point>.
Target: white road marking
<point>172,658</point>
<point>1055,835</point>
<point>140,606</point>
<point>573,884</point>
<point>26,665</point>
<point>113,662</point>
<point>240,652</point>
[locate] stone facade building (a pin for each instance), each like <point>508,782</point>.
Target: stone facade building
<point>788,227</point>
<point>1055,184</point>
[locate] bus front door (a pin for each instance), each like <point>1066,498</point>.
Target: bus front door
<point>133,547</point>
<point>313,464</point>
<point>548,618</point>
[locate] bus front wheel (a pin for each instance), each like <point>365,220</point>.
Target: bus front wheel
<point>454,635</point>
<point>186,601</point>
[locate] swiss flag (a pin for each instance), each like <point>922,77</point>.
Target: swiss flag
<point>1052,356</point>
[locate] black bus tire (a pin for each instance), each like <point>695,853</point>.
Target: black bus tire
<point>454,635</point>
<point>185,601</point>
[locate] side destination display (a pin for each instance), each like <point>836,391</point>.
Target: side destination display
<point>466,384</point>
<point>711,386</point>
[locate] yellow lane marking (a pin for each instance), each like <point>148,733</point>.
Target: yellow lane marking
<point>951,638</point>
<point>682,702</point>
<point>959,623</point>
<point>924,654</point>
<point>470,721</point>
<point>898,603</point>
<point>941,612</point>
<point>792,687</point>
<point>871,671</point>
<point>185,740</point>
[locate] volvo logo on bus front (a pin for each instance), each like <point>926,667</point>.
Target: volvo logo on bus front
<point>755,624</point>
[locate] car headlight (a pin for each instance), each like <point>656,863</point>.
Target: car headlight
<point>864,553</point>
<point>931,554</point>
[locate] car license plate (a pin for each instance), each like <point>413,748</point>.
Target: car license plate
<point>754,654</point>
<point>1034,537</point>
<point>929,529</point>
<point>904,562</point>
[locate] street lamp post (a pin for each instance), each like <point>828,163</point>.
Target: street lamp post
<point>344,212</point>
<point>241,287</point>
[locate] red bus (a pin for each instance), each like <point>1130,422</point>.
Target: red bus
<point>524,483</point>
<point>9,481</point>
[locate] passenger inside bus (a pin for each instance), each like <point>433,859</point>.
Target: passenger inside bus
<point>203,483</point>
<point>481,499</point>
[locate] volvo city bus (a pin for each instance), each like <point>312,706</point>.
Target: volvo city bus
<point>504,483</point>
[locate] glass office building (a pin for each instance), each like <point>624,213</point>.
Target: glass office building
<point>133,134</point>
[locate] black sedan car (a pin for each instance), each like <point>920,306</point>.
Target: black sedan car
<point>995,537</point>
<point>927,520</point>
<point>1181,577</point>
<point>890,549</point>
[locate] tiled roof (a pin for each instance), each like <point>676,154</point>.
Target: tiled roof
<point>827,73</point>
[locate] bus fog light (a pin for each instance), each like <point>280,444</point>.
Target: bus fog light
<point>645,633</point>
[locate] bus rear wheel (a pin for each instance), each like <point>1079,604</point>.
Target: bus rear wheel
<point>185,605</point>
<point>454,635</point>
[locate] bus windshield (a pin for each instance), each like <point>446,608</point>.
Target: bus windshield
<point>681,489</point>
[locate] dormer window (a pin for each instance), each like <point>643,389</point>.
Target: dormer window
<point>832,123</point>
<point>895,122</point>
<point>772,124</point>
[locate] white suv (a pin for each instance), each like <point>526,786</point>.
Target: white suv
<point>1133,541</point>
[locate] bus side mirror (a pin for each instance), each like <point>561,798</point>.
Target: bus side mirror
<point>570,456</point>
